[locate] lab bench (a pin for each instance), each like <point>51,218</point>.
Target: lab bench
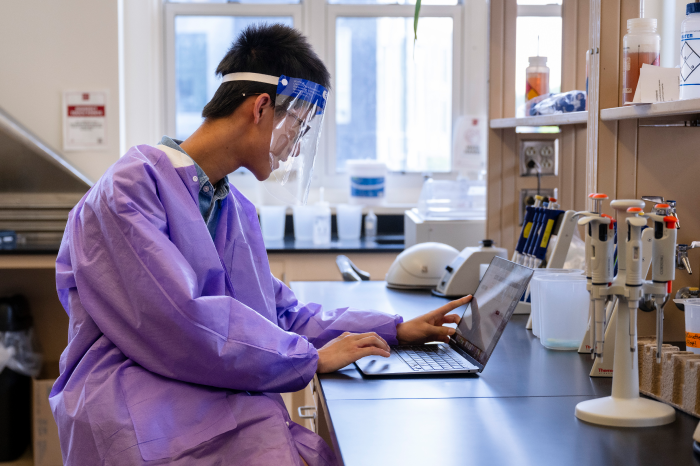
<point>520,410</point>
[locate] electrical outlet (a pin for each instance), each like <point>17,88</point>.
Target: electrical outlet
<point>538,157</point>
<point>527,197</point>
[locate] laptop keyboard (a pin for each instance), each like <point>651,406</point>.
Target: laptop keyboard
<point>432,358</point>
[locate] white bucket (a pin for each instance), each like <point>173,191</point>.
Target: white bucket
<point>563,310</point>
<point>349,221</point>
<point>304,216</point>
<point>692,325</point>
<point>367,181</point>
<point>535,297</point>
<point>272,219</point>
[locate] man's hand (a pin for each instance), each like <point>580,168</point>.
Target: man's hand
<point>348,348</point>
<point>429,327</point>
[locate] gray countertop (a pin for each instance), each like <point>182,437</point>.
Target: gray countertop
<point>519,410</point>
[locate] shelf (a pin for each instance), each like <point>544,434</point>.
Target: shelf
<point>558,119</point>
<point>20,261</point>
<point>662,109</point>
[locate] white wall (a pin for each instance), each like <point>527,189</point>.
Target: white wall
<point>48,46</point>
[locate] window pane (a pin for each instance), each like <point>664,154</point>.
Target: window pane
<point>394,102</point>
<point>257,2</point>
<point>528,30</point>
<point>537,2</point>
<point>394,2</point>
<point>200,44</point>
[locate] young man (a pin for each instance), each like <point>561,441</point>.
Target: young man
<point>180,339</point>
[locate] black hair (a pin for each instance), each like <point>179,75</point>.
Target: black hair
<point>272,49</point>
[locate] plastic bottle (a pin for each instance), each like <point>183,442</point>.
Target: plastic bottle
<point>690,52</point>
<point>536,78</point>
<point>641,44</point>
<point>322,222</point>
<point>370,225</point>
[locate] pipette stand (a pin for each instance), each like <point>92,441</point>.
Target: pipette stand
<point>624,408</point>
<point>605,367</point>
<point>565,227</point>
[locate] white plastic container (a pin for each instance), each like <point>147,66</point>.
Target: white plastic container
<point>272,218</point>
<point>349,221</point>
<point>690,52</point>
<point>322,222</point>
<point>536,78</point>
<point>563,310</point>
<point>692,325</point>
<point>641,45</point>
<point>367,181</point>
<point>536,297</point>
<point>303,222</point>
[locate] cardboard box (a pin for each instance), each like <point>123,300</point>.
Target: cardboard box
<point>47,449</point>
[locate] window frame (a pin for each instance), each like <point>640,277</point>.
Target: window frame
<point>316,19</point>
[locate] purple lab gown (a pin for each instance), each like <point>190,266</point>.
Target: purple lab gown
<point>178,345</point>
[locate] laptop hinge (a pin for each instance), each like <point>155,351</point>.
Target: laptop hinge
<point>465,355</point>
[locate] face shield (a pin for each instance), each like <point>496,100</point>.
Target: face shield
<point>297,123</point>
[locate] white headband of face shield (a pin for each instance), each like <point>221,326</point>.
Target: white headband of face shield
<point>260,78</point>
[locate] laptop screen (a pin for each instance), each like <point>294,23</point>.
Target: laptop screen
<point>494,301</point>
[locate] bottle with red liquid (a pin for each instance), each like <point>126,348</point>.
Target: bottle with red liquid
<point>536,78</point>
<point>641,44</point>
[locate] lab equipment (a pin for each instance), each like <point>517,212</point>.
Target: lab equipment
<point>349,221</point>
<point>420,267</point>
<point>370,225</point>
<point>692,325</point>
<point>483,321</point>
<point>563,308</point>
<point>322,222</point>
<point>536,78</point>
<point>303,217</point>
<point>458,233</point>
<point>297,123</point>
<point>624,408</point>
<point>461,276</point>
<point>690,33</point>
<point>19,362</point>
<point>682,261</point>
<point>536,297</point>
<point>198,314</point>
<point>349,271</point>
<point>452,199</point>
<point>641,45</point>
<point>272,219</point>
<point>367,181</point>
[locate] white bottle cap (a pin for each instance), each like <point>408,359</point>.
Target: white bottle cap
<point>641,24</point>
<point>538,61</point>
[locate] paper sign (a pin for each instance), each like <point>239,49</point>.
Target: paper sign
<point>84,120</point>
<point>468,145</point>
<point>657,84</point>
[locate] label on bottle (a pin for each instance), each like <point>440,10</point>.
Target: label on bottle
<point>692,340</point>
<point>690,58</point>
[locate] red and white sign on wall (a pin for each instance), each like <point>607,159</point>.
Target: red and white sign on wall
<point>84,120</point>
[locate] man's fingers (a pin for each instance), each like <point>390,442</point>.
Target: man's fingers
<point>373,351</point>
<point>362,336</point>
<point>373,341</point>
<point>451,319</point>
<point>451,306</point>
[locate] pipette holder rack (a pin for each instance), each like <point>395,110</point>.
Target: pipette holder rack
<point>624,408</point>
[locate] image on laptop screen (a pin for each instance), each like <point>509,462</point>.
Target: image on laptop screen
<point>490,309</point>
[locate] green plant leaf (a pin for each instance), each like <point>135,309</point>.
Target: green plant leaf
<point>415,20</point>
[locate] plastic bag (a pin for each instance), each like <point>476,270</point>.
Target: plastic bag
<point>18,352</point>
<point>576,256</point>
<point>549,104</point>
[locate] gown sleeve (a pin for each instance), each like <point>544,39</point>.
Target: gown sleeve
<point>145,298</point>
<point>322,325</point>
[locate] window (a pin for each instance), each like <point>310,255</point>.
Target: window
<point>200,44</point>
<point>538,33</point>
<point>393,99</point>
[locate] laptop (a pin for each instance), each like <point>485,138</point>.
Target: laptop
<point>482,325</point>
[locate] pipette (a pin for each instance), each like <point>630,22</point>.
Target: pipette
<point>634,261</point>
<point>663,264</point>
<point>549,221</point>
